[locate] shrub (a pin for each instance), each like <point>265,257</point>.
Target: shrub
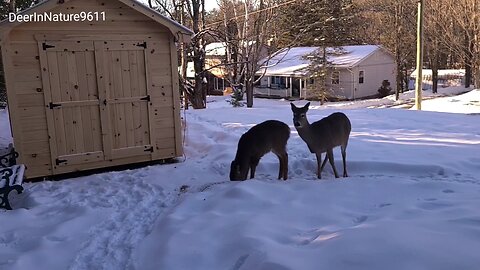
<point>385,89</point>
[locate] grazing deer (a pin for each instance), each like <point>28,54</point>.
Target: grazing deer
<point>271,135</point>
<point>323,135</point>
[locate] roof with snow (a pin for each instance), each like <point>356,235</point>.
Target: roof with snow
<point>293,61</point>
<point>220,48</point>
<point>216,48</point>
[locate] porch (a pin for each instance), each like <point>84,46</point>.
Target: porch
<point>281,87</point>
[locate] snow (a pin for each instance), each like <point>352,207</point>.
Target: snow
<point>410,201</point>
<point>441,72</point>
<point>293,61</point>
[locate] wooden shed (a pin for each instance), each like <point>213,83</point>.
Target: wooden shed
<point>92,94</point>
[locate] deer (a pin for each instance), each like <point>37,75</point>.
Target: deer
<point>271,135</point>
<point>323,135</point>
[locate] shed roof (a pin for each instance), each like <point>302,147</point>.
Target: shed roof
<point>293,61</point>
<point>46,5</point>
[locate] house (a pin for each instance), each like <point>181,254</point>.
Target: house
<point>216,72</point>
<point>94,93</point>
<point>355,72</point>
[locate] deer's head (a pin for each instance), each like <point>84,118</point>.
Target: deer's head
<point>237,171</point>
<point>300,115</point>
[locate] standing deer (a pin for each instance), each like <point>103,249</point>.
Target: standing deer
<point>271,135</point>
<point>323,135</point>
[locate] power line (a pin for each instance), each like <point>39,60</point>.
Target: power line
<point>254,12</point>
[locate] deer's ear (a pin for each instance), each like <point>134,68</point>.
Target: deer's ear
<point>293,106</point>
<point>307,105</point>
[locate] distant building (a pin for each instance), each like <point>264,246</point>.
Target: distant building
<point>446,78</point>
<point>357,72</point>
<point>216,74</point>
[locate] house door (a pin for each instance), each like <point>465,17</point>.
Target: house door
<point>72,102</point>
<point>296,87</point>
<point>127,98</point>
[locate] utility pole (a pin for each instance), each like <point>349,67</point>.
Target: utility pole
<point>418,81</point>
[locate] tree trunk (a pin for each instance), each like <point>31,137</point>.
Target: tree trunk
<point>198,57</point>
<point>397,53</point>
<point>468,62</point>
<point>406,79</point>
<point>434,63</point>
<point>399,80</point>
<point>468,74</point>
<point>249,91</point>
<point>434,78</point>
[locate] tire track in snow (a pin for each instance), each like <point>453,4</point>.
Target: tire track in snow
<point>135,209</point>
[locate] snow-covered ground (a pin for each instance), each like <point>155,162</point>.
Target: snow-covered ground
<point>411,201</point>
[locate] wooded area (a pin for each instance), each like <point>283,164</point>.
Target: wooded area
<point>452,31</point>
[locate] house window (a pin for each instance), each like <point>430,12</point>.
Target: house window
<point>278,81</point>
<point>361,76</point>
<point>335,77</point>
<point>311,81</point>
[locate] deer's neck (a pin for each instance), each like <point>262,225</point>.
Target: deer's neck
<point>311,138</point>
<point>305,133</point>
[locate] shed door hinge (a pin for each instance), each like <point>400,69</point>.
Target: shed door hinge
<point>53,105</point>
<point>150,149</point>
<point>60,161</point>
<point>144,44</point>
<point>147,98</point>
<point>46,46</point>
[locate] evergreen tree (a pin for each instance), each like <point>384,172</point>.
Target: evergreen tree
<point>319,23</point>
<point>316,23</point>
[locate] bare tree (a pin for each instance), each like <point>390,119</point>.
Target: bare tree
<point>245,32</point>
<point>435,50</point>
<point>459,23</point>
<point>391,23</point>
<point>192,14</point>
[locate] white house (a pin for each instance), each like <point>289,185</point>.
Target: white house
<point>356,72</point>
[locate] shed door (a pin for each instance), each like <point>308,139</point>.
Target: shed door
<point>72,101</point>
<point>127,97</point>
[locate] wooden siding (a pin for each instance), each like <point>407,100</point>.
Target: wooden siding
<point>377,67</point>
<point>26,89</point>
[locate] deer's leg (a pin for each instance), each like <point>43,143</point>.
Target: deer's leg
<point>283,161</point>
<point>324,162</point>
<point>253,166</point>
<point>344,157</point>
<point>280,161</point>
<point>332,161</point>
<point>285,166</point>
<point>319,166</point>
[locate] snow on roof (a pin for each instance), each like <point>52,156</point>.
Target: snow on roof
<point>215,48</point>
<point>441,72</point>
<point>291,61</point>
<point>219,48</point>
